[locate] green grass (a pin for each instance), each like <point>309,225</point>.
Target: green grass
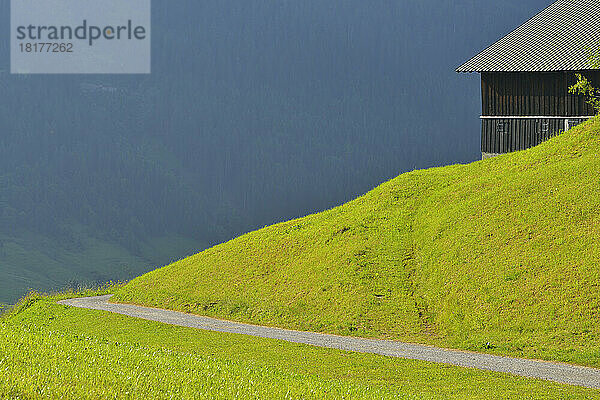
<point>51,351</point>
<point>502,251</point>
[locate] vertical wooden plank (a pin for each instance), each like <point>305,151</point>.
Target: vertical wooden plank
<point>482,131</point>
<point>562,94</point>
<point>507,129</point>
<point>536,93</point>
<point>498,96</point>
<point>522,98</point>
<point>494,79</point>
<point>536,98</point>
<point>533,137</point>
<point>503,137</point>
<point>490,94</point>
<point>526,94</point>
<point>527,140</point>
<point>495,95</point>
<point>542,96</point>
<point>513,137</point>
<point>483,135</point>
<point>518,138</point>
<point>511,94</point>
<point>513,127</point>
<point>507,93</point>
<point>483,95</point>
<point>554,93</point>
<point>515,143</point>
<point>489,136</point>
<point>507,134</point>
<point>496,145</point>
<point>502,88</point>
<point>521,142</point>
<point>493,107</point>
<point>565,110</point>
<point>518,97</point>
<point>530,107</point>
<point>496,140</point>
<point>521,89</point>
<point>571,103</point>
<point>514,95</point>
<point>550,93</point>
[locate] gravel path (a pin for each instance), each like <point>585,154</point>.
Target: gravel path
<point>558,372</point>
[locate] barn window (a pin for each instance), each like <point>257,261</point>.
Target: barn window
<point>543,127</point>
<point>501,128</point>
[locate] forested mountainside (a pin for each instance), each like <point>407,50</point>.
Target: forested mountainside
<point>255,112</point>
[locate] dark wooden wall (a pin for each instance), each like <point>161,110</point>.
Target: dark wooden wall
<point>533,94</point>
<point>517,134</point>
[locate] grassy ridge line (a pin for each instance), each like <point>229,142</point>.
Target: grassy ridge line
<point>498,255</point>
<point>51,351</point>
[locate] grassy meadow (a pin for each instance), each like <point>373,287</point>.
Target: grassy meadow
<point>499,256</point>
<point>52,351</point>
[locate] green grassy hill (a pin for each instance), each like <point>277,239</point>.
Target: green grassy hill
<point>501,255</point>
<point>50,351</point>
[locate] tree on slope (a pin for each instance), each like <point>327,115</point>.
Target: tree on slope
<point>584,86</point>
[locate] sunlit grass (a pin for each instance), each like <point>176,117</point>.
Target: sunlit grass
<point>500,256</point>
<point>49,351</point>
<point>37,363</point>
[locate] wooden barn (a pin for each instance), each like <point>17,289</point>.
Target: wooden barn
<point>526,75</point>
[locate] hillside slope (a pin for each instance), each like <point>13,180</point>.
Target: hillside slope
<point>499,255</point>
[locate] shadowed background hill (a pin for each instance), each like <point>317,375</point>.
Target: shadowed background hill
<point>256,112</point>
<point>498,254</point>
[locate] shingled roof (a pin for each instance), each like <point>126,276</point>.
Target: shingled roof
<point>556,39</point>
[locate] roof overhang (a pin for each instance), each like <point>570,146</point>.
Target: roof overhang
<point>559,38</point>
